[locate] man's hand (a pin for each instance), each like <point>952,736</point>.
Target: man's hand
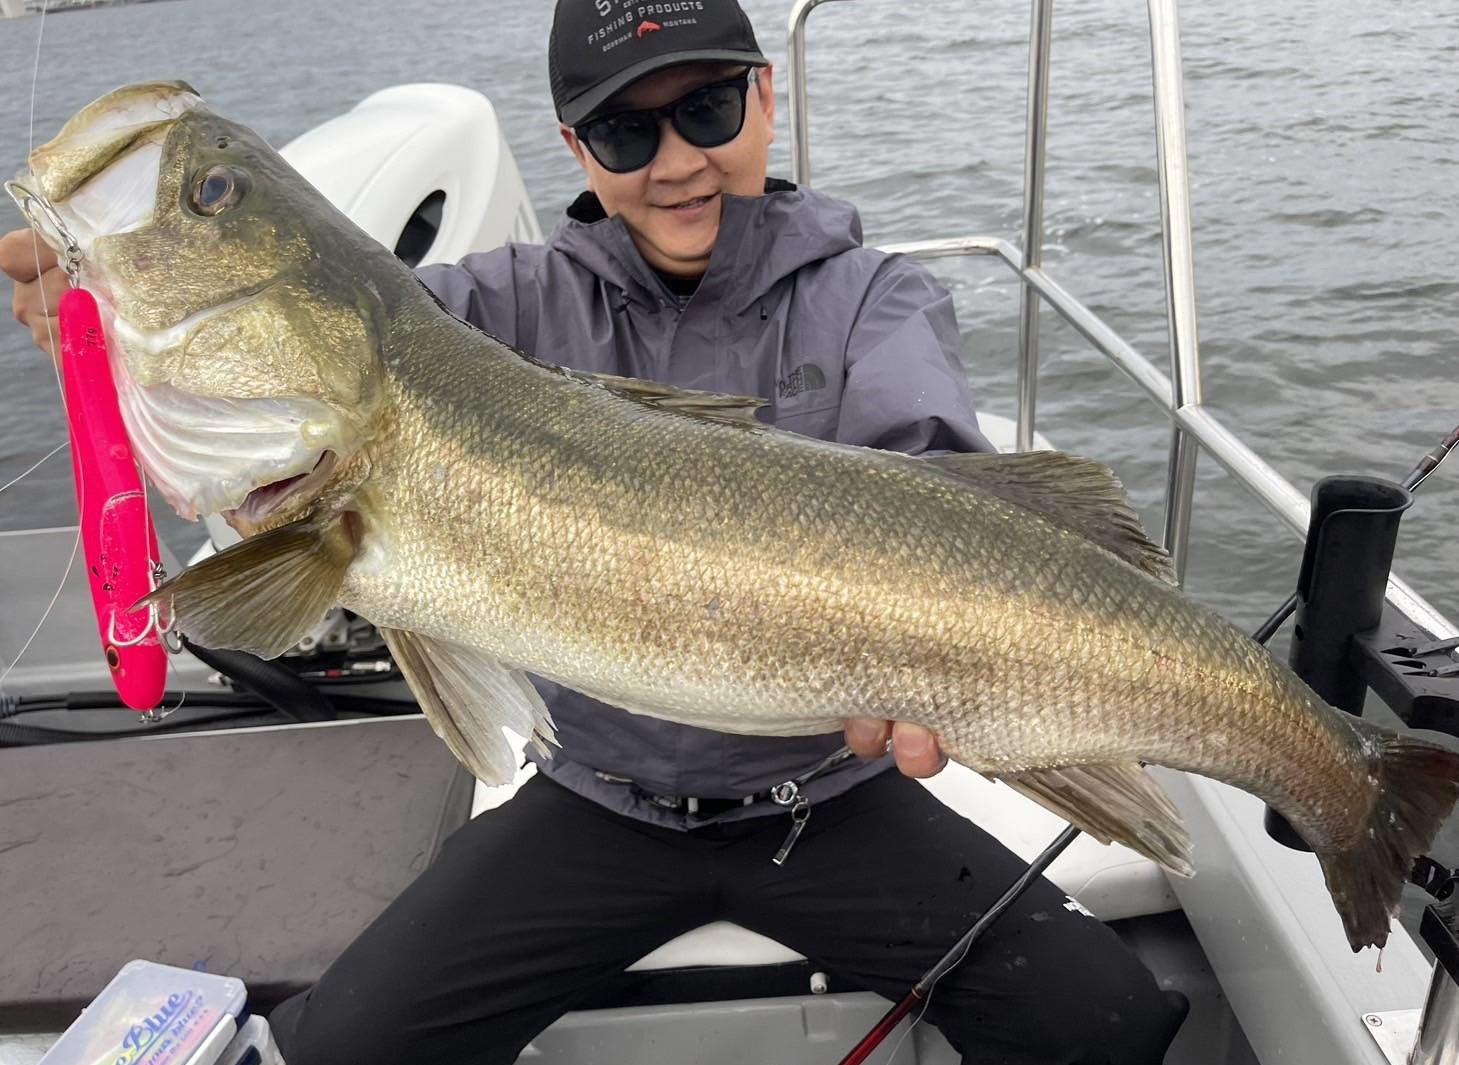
<point>39,283</point>
<point>916,749</point>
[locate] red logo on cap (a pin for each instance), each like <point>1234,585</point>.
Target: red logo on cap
<point>648,27</point>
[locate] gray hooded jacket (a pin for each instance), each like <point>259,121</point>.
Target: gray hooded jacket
<point>847,343</point>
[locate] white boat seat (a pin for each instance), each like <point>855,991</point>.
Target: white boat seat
<point>1111,882</point>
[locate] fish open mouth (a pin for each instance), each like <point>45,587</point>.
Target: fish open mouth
<point>268,498</point>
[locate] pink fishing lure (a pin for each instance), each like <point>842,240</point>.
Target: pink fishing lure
<point>116,531</point>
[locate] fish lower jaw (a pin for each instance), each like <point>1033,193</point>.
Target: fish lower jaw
<point>277,501</point>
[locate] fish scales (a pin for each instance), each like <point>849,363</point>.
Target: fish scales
<point>657,548</point>
<point>788,588</point>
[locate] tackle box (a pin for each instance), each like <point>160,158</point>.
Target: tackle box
<point>152,1014</point>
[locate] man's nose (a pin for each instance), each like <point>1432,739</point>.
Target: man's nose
<point>676,158</point>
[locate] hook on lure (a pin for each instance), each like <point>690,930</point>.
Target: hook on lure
<point>46,221</point>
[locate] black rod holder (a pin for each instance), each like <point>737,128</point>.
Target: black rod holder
<point>1340,593</point>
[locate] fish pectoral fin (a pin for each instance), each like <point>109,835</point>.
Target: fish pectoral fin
<point>469,697</point>
<point>1072,492</point>
<point>1116,801</point>
<point>716,406</point>
<point>264,594</point>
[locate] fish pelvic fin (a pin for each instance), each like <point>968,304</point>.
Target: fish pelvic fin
<point>469,697</point>
<point>1113,802</point>
<point>1418,785</point>
<point>1074,493</point>
<point>265,594</point>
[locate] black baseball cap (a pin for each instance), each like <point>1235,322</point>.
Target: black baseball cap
<point>598,47</point>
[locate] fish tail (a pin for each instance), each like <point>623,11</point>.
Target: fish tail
<point>1417,787</point>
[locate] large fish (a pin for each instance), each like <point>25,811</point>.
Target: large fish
<point>662,550</point>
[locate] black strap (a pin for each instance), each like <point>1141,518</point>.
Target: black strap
<point>783,794</point>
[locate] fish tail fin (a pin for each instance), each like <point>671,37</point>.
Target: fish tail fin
<point>1417,787</point>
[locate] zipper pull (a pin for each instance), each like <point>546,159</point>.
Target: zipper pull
<point>800,813</point>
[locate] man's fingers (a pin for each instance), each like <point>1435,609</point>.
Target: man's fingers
<point>36,307</point>
<point>868,736</point>
<point>46,338</point>
<point>54,284</point>
<point>916,749</point>
<point>39,298</point>
<point>24,256</point>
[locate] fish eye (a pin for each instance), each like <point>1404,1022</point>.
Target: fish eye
<point>216,188</point>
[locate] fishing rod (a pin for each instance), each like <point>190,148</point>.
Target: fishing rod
<point>1438,880</point>
<point>922,989</point>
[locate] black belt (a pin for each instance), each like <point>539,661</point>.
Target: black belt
<point>786,794</point>
<point>701,809</point>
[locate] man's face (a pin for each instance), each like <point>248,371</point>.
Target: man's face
<point>672,206</point>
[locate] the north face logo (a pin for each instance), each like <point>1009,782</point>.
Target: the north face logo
<point>647,27</point>
<point>807,377</point>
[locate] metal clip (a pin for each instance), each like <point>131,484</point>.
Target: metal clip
<point>158,715</point>
<point>800,813</point>
<point>788,794</point>
<point>50,226</point>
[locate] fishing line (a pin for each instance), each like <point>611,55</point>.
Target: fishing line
<point>39,463</point>
<point>55,355</point>
<point>75,547</point>
<point>35,242</point>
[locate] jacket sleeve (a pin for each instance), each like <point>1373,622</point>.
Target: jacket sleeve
<point>906,389</point>
<point>481,289</point>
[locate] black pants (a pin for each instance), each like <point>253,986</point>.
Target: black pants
<point>531,905</point>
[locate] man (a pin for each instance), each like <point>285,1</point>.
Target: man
<point>682,263</point>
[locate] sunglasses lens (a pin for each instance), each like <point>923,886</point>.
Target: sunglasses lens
<point>711,116</point>
<point>706,118</point>
<point>624,142</point>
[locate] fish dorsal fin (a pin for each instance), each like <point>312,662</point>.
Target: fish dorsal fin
<point>266,593</point>
<point>716,406</point>
<point>1116,801</point>
<point>469,697</point>
<point>1074,493</point>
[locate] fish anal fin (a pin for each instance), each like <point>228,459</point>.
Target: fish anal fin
<point>1074,493</point>
<point>716,406</point>
<point>469,697</point>
<point>266,593</point>
<point>1113,802</point>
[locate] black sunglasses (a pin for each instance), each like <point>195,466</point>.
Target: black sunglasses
<point>706,117</point>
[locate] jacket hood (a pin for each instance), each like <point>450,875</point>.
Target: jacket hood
<point>762,239</point>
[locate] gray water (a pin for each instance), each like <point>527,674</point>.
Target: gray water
<point>1325,181</point>
<point>1324,177</point>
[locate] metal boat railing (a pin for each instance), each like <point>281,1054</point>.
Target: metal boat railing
<point>1193,426</point>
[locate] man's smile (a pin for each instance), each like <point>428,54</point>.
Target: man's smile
<point>691,204</point>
